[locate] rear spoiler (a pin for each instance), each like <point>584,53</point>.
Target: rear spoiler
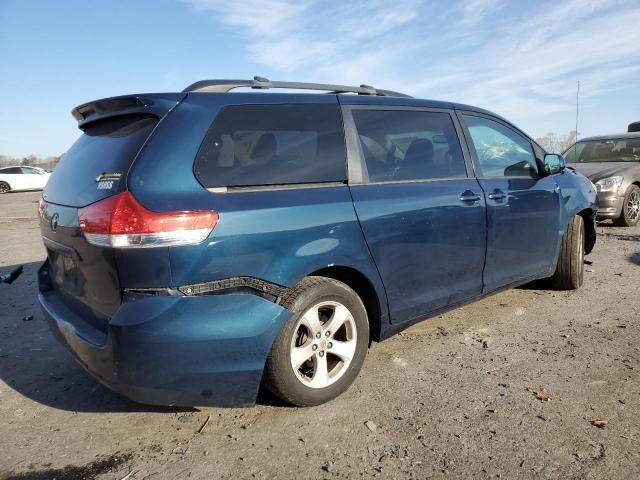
<point>155,104</point>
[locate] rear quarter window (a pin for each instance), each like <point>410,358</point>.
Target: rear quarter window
<point>261,145</point>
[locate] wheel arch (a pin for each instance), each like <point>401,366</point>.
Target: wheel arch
<point>364,288</point>
<point>588,216</point>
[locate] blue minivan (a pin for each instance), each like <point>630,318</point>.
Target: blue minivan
<point>204,243</point>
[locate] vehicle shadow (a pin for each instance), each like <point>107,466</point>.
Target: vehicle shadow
<point>543,284</point>
<point>623,236</point>
<point>33,364</point>
<point>635,258</point>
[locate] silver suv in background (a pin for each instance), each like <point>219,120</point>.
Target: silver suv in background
<point>612,163</point>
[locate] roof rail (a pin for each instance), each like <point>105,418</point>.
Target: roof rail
<point>221,86</point>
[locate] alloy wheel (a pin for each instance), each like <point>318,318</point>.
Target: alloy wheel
<point>324,344</point>
<point>633,206</point>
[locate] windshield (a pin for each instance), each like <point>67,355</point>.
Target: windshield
<point>610,150</point>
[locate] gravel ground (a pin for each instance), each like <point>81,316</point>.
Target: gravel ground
<point>456,396</point>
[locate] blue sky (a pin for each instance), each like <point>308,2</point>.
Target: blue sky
<point>518,58</point>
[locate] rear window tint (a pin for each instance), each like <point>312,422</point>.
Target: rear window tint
<point>108,147</point>
<point>253,145</point>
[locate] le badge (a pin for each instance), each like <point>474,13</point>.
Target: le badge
<point>106,180</point>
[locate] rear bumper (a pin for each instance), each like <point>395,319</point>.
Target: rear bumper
<point>609,205</point>
<point>175,350</point>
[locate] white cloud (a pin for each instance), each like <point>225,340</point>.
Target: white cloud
<point>591,49</point>
<point>261,18</point>
<point>474,12</point>
<point>521,59</point>
<point>287,54</point>
<point>288,35</point>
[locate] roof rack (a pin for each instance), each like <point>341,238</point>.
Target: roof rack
<point>221,86</point>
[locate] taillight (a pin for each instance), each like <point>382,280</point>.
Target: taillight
<point>41,207</point>
<point>121,222</point>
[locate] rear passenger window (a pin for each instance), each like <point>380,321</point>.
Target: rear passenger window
<point>254,145</point>
<point>408,145</point>
<point>501,151</point>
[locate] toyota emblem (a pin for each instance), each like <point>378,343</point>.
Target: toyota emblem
<point>54,222</point>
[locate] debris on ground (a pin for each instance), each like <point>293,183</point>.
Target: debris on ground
<point>99,466</point>
<point>204,425</point>
<point>401,362</point>
<point>543,394</point>
<point>28,318</point>
<point>600,422</point>
<point>327,467</point>
<point>128,475</point>
<point>11,277</point>
<point>371,425</point>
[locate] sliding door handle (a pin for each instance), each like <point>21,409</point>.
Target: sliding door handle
<point>469,197</point>
<point>497,194</point>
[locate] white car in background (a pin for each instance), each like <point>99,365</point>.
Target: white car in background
<point>22,178</point>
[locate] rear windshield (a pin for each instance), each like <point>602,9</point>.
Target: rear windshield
<point>254,145</point>
<point>611,150</point>
<point>95,167</point>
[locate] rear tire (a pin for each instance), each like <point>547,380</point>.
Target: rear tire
<point>569,274</point>
<point>4,187</point>
<point>312,362</point>
<point>630,208</point>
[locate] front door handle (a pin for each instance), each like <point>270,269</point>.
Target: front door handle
<point>469,197</point>
<point>497,194</point>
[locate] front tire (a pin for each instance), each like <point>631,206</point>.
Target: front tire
<point>4,187</point>
<point>322,347</point>
<point>630,208</point>
<point>569,274</point>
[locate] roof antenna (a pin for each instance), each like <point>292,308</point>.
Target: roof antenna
<point>575,144</point>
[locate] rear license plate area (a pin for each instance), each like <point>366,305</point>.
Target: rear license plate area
<point>64,271</point>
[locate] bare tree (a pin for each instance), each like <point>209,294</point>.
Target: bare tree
<point>554,143</point>
<point>47,163</point>
<point>31,160</point>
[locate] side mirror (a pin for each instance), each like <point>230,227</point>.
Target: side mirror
<point>553,163</point>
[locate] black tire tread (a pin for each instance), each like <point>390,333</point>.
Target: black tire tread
<point>8,187</point>
<point>570,270</point>
<point>302,287</point>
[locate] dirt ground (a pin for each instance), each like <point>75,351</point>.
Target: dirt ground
<point>453,397</point>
